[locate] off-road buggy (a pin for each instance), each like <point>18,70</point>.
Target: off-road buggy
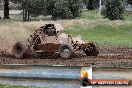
<point>49,39</point>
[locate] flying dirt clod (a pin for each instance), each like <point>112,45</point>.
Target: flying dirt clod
<point>50,39</point>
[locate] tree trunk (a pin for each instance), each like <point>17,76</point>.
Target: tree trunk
<point>6,9</point>
<point>28,15</point>
<point>24,15</point>
<point>25,12</point>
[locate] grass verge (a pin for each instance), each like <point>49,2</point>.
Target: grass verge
<point>104,35</point>
<point>9,86</point>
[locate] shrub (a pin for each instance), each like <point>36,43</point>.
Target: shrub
<point>91,4</point>
<point>114,9</point>
<point>65,9</point>
<point>61,10</point>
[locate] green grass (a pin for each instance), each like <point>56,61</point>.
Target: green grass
<point>104,35</point>
<point>128,17</point>
<point>94,15</point>
<point>9,86</point>
<point>90,14</point>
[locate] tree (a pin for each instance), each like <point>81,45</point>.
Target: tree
<point>16,1</point>
<point>25,4</point>
<point>6,9</point>
<point>91,4</point>
<point>50,6</point>
<point>16,4</point>
<point>34,8</point>
<point>61,10</point>
<point>114,9</point>
<point>75,7</point>
<point>129,2</point>
<point>58,9</point>
<point>66,9</point>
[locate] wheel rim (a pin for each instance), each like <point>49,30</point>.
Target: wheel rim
<point>65,51</point>
<point>89,48</point>
<point>18,49</point>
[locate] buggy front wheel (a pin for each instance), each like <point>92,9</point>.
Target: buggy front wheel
<point>65,51</point>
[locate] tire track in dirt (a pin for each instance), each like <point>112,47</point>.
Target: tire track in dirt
<point>111,57</point>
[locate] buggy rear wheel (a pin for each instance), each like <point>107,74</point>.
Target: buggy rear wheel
<point>19,50</point>
<point>91,50</point>
<point>65,51</point>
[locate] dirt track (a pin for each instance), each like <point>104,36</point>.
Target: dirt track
<point>119,57</point>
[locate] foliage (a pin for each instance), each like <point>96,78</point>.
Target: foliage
<point>15,4</point>
<point>35,7</point>
<point>58,9</point>
<point>61,10</point>
<point>91,4</point>
<point>65,9</point>
<point>75,7</point>
<point>50,6</point>
<point>114,9</point>
<point>16,1</point>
